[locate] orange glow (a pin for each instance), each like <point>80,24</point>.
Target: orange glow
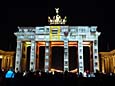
<point>62,43</point>
<point>41,43</point>
<point>72,43</point>
<point>52,70</point>
<point>74,71</point>
<point>57,43</point>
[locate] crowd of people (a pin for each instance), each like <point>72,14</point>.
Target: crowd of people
<point>12,78</point>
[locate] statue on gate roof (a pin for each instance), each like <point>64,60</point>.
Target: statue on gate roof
<point>57,19</point>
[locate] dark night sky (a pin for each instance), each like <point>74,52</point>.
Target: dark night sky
<point>79,13</point>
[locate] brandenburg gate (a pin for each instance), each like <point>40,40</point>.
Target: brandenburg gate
<point>56,34</point>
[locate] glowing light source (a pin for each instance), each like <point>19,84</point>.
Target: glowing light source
<point>52,70</point>
<point>86,43</point>
<point>28,43</point>
<point>74,71</point>
<point>1,56</point>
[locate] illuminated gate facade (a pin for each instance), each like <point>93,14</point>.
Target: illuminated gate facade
<point>56,35</point>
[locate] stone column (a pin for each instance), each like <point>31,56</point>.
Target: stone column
<point>114,64</point>
<point>111,65</point>
<point>25,52</point>
<point>103,67</point>
<point>3,58</point>
<point>8,63</point>
<point>47,56</point>
<point>105,64</point>
<point>11,61</point>
<point>95,56</point>
<point>66,59</point>
<point>3,61</point>
<point>91,58</point>
<point>80,56</point>
<point>37,57</point>
<point>18,56</point>
<point>108,64</point>
<point>32,56</point>
<point>24,57</point>
<point>50,56</point>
